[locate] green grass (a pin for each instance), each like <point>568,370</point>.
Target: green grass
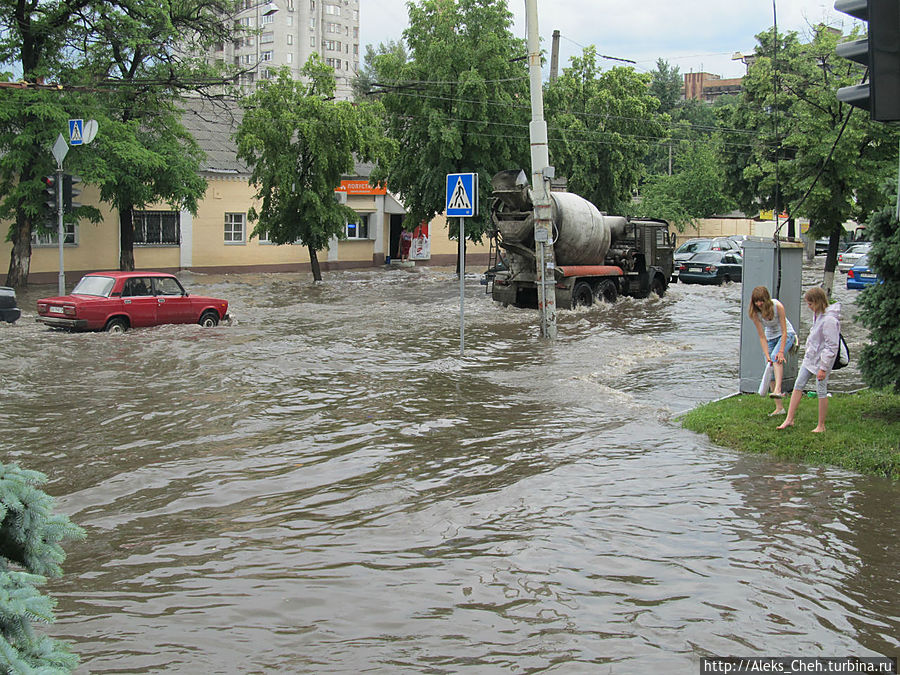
<point>862,431</point>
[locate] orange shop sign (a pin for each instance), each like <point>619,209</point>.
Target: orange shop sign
<point>360,187</point>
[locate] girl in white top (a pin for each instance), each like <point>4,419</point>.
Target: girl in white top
<point>776,336</point>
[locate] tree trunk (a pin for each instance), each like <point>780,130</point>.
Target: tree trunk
<point>314,264</point>
<point>126,239</point>
<point>20,256</point>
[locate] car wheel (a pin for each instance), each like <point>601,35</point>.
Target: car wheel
<point>658,286</point>
<point>582,294</point>
<point>606,291</point>
<point>724,280</point>
<point>209,319</point>
<point>117,325</point>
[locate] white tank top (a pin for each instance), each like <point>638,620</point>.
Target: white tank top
<point>773,325</point>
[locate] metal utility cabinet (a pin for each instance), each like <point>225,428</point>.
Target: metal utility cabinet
<point>762,262</point>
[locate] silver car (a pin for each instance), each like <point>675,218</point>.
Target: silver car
<point>848,258</point>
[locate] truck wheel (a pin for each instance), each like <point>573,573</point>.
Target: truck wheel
<point>606,291</point>
<point>658,286</point>
<point>582,295</point>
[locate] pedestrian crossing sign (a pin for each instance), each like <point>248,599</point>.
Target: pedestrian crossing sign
<point>462,195</point>
<point>76,132</point>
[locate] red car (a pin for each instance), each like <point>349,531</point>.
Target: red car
<point>117,301</point>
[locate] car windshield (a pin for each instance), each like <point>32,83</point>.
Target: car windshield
<point>858,248</point>
<point>709,256</point>
<point>94,285</point>
<point>693,246</point>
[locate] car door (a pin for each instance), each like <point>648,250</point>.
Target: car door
<point>173,304</point>
<point>139,302</point>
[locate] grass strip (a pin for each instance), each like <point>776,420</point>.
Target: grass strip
<point>862,430</point>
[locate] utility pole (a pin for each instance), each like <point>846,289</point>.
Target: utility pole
<point>541,173</point>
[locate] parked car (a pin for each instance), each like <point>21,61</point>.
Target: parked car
<point>692,246</point>
<point>848,258</point>
<point>861,275</point>
<point>712,267</point>
<point>117,301</point>
<point>9,311</point>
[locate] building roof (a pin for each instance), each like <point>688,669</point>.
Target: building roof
<point>213,123</point>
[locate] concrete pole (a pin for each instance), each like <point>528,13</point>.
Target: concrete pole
<point>554,57</point>
<point>540,182</point>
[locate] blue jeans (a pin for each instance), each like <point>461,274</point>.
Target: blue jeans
<point>775,345</point>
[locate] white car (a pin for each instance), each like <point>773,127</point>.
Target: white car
<point>848,258</point>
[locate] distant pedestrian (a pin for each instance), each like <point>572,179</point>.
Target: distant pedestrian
<point>776,337</point>
<point>821,349</point>
<point>405,244</point>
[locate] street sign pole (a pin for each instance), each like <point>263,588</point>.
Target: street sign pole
<point>462,201</point>
<point>462,286</point>
<point>60,149</point>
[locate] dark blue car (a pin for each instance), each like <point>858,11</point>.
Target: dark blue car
<point>861,275</point>
<point>712,267</point>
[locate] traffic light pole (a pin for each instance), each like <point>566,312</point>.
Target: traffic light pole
<point>60,228</point>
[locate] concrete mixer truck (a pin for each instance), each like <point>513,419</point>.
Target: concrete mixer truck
<point>597,255</point>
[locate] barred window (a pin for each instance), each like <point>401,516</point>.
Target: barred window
<point>157,227</point>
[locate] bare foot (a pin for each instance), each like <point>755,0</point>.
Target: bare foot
<point>785,425</point>
<point>818,430</point>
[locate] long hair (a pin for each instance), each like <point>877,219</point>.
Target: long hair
<point>761,294</point>
<point>816,297</point>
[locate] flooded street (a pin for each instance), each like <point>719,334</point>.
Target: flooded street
<point>326,486</point>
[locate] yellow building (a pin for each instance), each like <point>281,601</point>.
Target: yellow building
<point>217,238</point>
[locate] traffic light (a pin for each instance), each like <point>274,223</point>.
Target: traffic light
<point>50,189</point>
<point>880,51</point>
<point>69,191</point>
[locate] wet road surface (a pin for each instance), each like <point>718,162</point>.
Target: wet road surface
<point>326,486</point>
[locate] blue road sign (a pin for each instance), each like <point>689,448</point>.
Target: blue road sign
<point>76,132</point>
<point>462,195</point>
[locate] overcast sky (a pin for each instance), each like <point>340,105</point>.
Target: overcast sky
<point>694,35</point>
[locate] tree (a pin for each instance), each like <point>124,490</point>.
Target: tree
<point>366,83</point>
<point>666,84</point>
<point>33,37</point>
<point>600,127</point>
<point>30,536</point>
<point>830,159</point>
<point>458,104</point>
<point>880,304</point>
<point>696,189</point>
<point>299,142</point>
<point>145,155</point>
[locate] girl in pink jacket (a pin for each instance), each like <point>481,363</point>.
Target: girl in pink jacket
<point>821,350</point>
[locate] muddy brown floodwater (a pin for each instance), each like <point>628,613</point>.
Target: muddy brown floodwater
<point>326,486</point>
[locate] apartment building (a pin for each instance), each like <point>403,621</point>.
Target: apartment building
<point>286,32</point>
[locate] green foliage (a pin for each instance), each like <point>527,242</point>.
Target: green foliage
<point>601,126</point>
<point>366,81</point>
<point>790,107</point>
<point>862,430</point>
<point>695,190</point>
<point>880,304</point>
<point>458,104</point>
<point>666,83</point>
<point>30,536</point>
<point>299,143</point>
